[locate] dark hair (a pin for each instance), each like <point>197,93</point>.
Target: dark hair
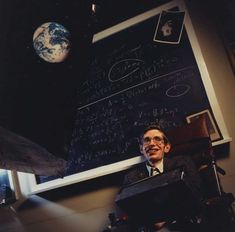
<point>155,127</point>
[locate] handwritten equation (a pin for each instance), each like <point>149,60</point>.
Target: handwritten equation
<point>131,84</point>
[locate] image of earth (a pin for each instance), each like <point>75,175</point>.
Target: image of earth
<point>52,42</point>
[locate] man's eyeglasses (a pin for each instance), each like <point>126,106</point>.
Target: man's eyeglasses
<point>156,139</point>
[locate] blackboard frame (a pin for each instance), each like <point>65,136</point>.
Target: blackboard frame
<point>28,181</point>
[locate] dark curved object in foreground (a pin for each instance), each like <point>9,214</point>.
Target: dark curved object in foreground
<point>20,154</point>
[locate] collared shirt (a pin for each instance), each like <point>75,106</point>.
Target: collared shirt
<point>155,170</point>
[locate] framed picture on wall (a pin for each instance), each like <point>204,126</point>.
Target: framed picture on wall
<point>211,125</point>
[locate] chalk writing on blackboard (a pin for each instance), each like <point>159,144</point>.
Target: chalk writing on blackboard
<point>133,82</point>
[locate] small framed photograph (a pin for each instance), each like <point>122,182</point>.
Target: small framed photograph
<point>211,125</point>
<point>169,27</point>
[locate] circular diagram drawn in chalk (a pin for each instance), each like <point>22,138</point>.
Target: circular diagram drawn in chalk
<point>177,90</point>
<point>123,69</point>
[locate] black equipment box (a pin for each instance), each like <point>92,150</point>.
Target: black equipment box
<point>166,196</point>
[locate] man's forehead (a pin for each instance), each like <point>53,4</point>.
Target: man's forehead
<point>153,132</point>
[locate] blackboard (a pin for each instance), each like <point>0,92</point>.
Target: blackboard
<point>135,81</point>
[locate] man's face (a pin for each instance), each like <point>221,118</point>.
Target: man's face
<point>153,146</point>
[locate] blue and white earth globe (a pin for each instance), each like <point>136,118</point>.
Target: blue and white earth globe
<point>52,42</point>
